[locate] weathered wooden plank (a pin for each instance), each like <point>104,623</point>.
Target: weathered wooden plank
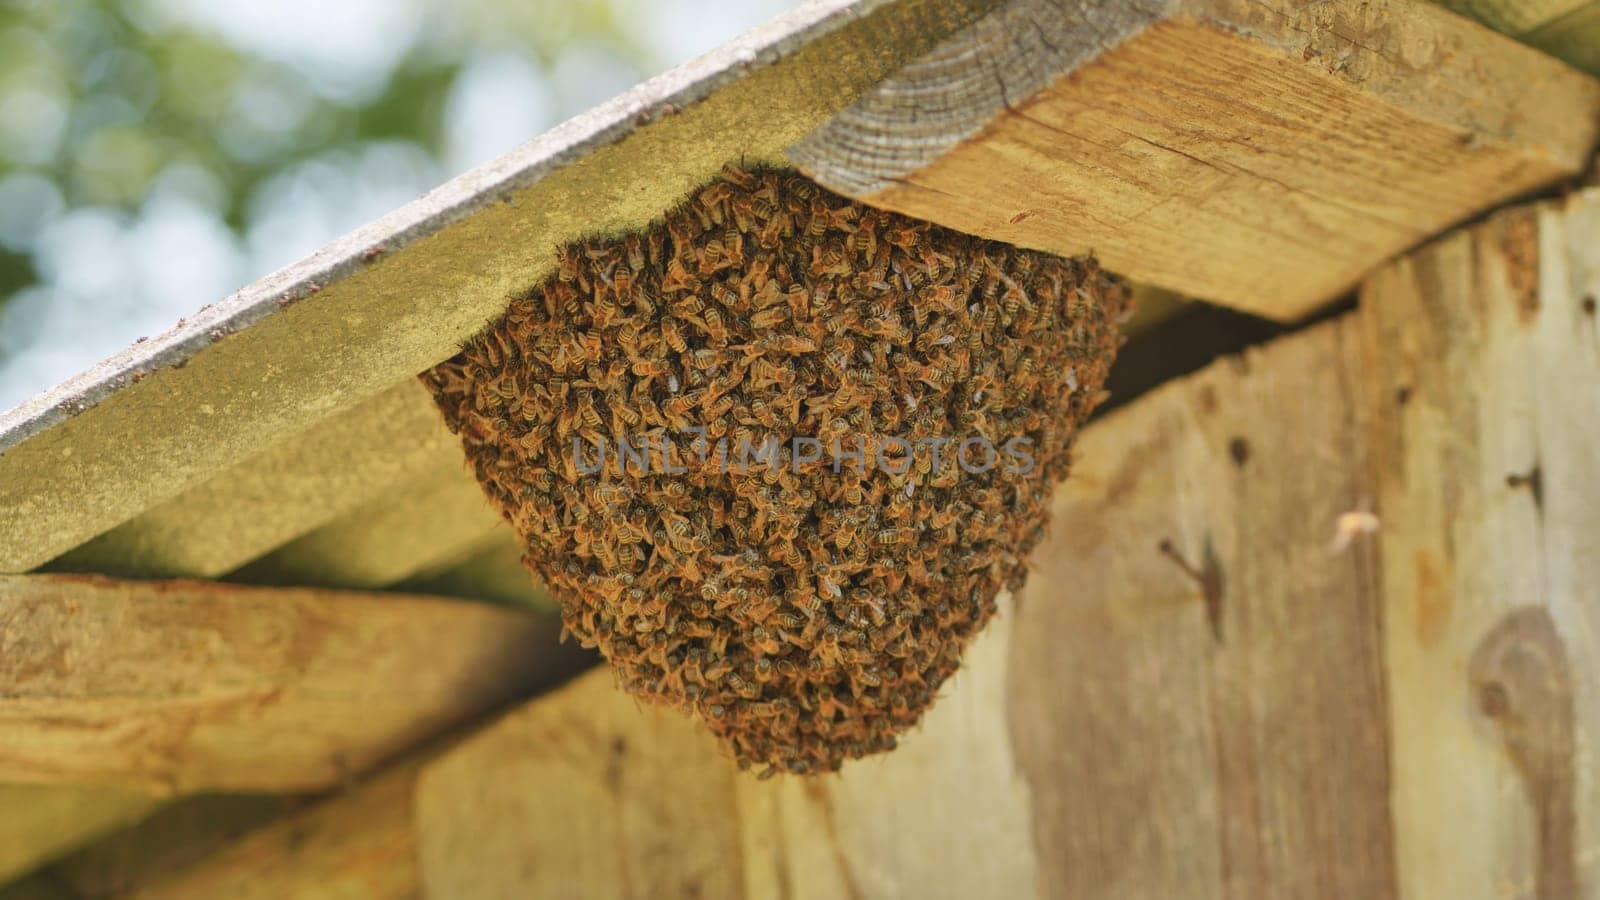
<point>1566,29</point>
<point>1264,155</point>
<point>948,814</point>
<point>39,822</point>
<point>1484,354</point>
<point>1120,733</point>
<point>1225,729</point>
<point>400,294</point>
<point>186,686</point>
<point>428,523</point>
<point>234,517</point>
<point>181,834</point>
<point>359,845</point>
<point>625,802</point>
<point>1574,37</point>
<point>1515,17</point>
<point>493,572</point>
<point>287,490</point>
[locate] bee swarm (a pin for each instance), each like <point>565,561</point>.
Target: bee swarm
<point>806,611</point>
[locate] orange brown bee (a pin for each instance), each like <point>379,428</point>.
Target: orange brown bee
<point>805,608</point>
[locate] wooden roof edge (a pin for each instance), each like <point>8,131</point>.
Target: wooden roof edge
<point>456,199</point>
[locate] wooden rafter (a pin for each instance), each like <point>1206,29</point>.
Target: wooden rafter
<point>187,686</point>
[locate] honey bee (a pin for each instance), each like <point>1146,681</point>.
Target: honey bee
<point>602,311</point>
<point>770,317</point>
<point>673,336</point>
<point>714,327</point>
<point>740,178</point>
<point>567,263</point>
<point>688,307</point>
<point>677,278</point>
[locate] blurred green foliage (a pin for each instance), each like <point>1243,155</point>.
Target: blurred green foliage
<point>100,97</point>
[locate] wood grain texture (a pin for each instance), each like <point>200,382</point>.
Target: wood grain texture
<point>1223,732</point>
<point>1484,355</point>
<point>1264,155</point>
<point>582,793</point>
<point>401,293</point>
<point>346,461</point>
<point>185,686</point>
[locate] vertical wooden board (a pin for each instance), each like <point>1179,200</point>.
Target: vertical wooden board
<point>947,814</point>
<point>581,793</point>
<point>1196,696</point>
<point>1483,363</point>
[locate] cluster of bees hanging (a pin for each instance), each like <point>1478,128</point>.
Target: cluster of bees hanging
<point>806,606</point>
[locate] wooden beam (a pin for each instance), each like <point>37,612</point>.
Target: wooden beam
<point>1264,155</point>
<point>430,523</point>
<point>216,526</point>
<point>1220,681</point>
<point>1514,17</point>
<point>39,822</point>
<point>1483,354</point>
<point>187,686</point>
<point>1566,29</point>
<point>281,493</point>
<point>177,836</point>
<point>1574,37</point>
<point>360,844</point>
<point>494,572</point>
<point>402,293</point>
